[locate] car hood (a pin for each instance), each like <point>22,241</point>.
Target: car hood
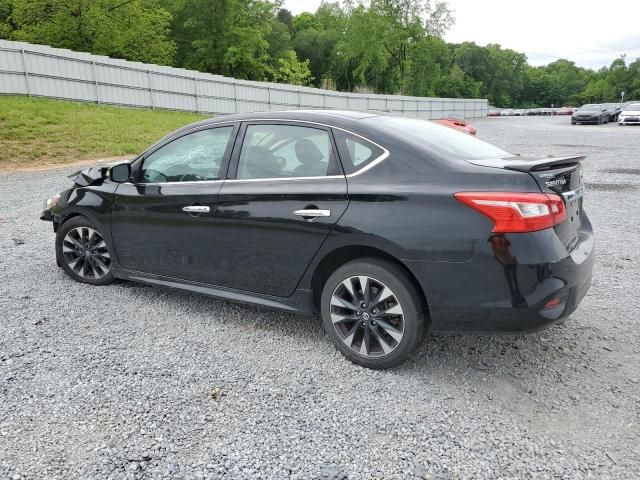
<point>93,175</point>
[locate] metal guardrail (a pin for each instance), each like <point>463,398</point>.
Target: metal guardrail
<point>43,71</point>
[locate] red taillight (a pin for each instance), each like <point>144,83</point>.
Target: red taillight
<point>553,303</point>
<point>517,212</point>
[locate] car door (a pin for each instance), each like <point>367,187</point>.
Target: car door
<point>163,222</point>
<point>285,193</point>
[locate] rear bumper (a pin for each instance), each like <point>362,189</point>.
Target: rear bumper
<point>486,295</point>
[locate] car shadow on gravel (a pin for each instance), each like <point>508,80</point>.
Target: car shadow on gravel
<point>547,349</point>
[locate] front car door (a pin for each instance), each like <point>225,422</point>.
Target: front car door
<point>163,222</point>
<point>285,192</point>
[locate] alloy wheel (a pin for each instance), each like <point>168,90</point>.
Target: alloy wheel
<point>367,316</point>
<point>86,253</point>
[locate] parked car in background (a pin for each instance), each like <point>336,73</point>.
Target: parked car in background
<point>459,124</point>
<point>564,111</point>
<point>506,112</point>
<point>519,112</point>
<point>614,110</point>
<point>494,113</point>
<point>630,114</point>
<point>389,227</point>
<point>591,113</point>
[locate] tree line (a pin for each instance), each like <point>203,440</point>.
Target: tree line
<point>383,46</point>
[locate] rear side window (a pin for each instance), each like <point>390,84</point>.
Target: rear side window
<point>286,151</point>
<point>355,152</point>
<point>444,141</point>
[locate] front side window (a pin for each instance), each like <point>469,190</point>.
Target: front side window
<point>285,151</point>
<point>194,157</point>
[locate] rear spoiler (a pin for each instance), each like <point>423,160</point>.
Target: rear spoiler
<point>523,164</point>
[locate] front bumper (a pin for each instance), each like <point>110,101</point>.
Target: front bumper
<point>585,119</point>
<point>46,215</point>
<point>486,296</point>
<point>629,120</point>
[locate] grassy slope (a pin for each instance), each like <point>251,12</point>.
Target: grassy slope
<point>35,131</point>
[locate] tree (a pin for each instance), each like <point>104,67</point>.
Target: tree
<point>384,46</point>
<point>439,18</point>
<point>135,29</point>
<point>6,26</point>
<point>227,37</point>
<point>286,17</point>
<point>293,71</point>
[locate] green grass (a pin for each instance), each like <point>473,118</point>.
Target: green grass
<point>36,131</point>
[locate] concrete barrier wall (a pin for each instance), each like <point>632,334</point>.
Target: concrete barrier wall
<point>43,71</point>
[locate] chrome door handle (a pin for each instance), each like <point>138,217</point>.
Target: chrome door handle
<point>196,209</point>
<point>312,213</point>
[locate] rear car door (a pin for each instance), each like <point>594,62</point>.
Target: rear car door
<point>285,192</point>
<point>163,222</point>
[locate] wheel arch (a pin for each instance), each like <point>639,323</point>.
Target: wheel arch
<point>64,218</point>
<point>335,258</point>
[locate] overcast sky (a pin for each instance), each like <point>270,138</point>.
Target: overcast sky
<point>591,33</point>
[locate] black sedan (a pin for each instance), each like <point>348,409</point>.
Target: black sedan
<point>390,227</point>
<point>597,113</point>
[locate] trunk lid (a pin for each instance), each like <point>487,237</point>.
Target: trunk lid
<point>559,175</point>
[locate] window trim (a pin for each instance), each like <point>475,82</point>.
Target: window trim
<point>224,165</point>
<point>235,156</point>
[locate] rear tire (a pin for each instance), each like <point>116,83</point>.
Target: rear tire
<point>83,252</point>
<point>373,313</point>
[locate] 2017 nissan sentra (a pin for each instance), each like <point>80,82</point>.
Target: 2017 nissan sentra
<point>390,227</point>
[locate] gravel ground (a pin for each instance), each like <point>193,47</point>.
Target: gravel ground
<point>130,381</point>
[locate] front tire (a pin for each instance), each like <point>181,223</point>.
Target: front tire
<point>373,313</point>
<point>83,252</point>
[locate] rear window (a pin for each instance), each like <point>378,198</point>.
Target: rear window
<point>355,152</point>
<point>442,140</point>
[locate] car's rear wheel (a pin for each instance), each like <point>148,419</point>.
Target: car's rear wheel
<point>373,313</point>
<point>83,252</point>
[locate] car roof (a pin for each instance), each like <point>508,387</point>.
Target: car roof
<point>350,120</point>
<point>330,117</point>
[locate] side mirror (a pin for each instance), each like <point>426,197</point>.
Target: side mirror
<point>120,173</point>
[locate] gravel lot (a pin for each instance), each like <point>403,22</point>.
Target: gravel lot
<point>130,381</point>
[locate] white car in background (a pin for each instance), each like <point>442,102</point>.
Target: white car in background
<point>630,115</point>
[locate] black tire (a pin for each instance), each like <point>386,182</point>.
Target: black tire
<point>413,317</point>
<point>102,254</point>
<point>573,122</point>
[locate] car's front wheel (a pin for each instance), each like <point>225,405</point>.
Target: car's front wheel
<point>83,253</point>
<point>373,313</point>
